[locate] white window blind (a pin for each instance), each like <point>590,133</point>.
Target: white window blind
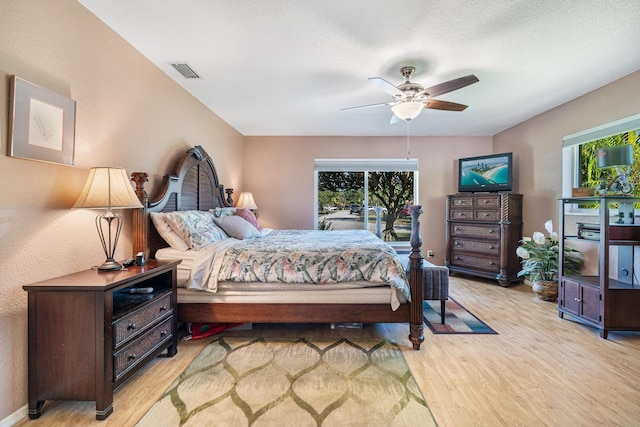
<point>360,165</point>
<point>602,131</point>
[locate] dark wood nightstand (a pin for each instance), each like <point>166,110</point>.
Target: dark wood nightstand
<point>88,333</point>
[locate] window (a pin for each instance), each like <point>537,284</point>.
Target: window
<point>580,160</point>
<point>350,192</point>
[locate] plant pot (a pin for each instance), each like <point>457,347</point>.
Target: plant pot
<point>546,290</point>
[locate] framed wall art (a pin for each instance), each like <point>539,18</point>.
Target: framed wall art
<point>42,124</point>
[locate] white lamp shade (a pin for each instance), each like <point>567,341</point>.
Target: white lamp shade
<point>108,187</point>
<point>407,110</point>
<point>245,201</point>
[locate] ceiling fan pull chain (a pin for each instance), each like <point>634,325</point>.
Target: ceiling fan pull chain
<point>408,138</point>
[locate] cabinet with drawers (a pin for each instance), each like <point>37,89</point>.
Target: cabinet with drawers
<point>483,232</point>
<point>90,331</point>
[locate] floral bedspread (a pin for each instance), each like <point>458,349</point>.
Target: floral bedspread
<point>301,256</point>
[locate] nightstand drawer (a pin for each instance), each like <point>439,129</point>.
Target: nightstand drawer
<point>134,323</point>
<point>134,353</point>
<point>482,247</point>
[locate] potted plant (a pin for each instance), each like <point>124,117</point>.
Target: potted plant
<point>540,257</point>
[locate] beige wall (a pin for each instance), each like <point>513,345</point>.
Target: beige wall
<point>279,172</point>
<point>537,143</point>
<point>129,114</point>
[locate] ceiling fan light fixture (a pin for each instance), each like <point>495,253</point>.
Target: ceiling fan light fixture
<point>407,110</point>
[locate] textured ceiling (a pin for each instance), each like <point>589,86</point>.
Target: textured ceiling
<point>286,67</point>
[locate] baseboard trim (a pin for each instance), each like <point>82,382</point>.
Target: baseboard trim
<point>15,417</point>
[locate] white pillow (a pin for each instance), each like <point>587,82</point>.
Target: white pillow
<point>237,227</point>
<point>196,227</point>
<point>220,212</point>
<point>174,239</point>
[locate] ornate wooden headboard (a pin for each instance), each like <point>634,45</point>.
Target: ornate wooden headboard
<point>194,186</point>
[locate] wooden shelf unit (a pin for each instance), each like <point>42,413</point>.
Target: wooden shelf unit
<point>610,300</point>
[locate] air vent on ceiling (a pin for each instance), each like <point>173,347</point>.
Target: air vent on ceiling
<point>186,71</point>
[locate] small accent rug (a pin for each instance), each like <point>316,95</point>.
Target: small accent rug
<point>457,319</point>
<point>293,382</point>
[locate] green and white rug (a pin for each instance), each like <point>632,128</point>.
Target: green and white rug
<point>293,382</point>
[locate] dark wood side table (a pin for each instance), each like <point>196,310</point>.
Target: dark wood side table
<point>88,333</point>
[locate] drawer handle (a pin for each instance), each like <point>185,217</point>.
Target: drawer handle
<point>492,263</point>
<point>163,333</point>
<point>163,308</point>
<point>133,356</point>
<point>492,231</point>
<point>485,201</point>
<point>491,247</point>
<point>456,228</point>
<point>485,214</point>
<point>457,258</point>
<point>577,299</point>
<point>132,325</point>
<point>456,243</point>
<point>460,214</point>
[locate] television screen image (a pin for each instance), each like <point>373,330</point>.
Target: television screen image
<point>485,173</point>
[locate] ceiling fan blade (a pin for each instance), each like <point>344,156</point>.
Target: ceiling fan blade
<point>435,104</point>
<point>394,119</point>
<point>386,86</point>
<point>450,86</point>
<point>368,106</point>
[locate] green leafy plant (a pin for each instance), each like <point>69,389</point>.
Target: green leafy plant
<point>540,256</point>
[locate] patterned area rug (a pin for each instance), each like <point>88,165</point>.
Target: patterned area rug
<point>457,319</point>
<point>293,382</point>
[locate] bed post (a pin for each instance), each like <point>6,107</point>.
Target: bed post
<point>139,220</point>
<point>416,326</point>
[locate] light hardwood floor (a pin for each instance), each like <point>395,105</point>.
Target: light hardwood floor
<point>539,370</point>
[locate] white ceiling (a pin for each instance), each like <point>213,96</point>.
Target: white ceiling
<point>286,67</point>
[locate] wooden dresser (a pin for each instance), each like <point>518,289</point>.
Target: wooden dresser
<point>483,232</point>
<point>88,333</point>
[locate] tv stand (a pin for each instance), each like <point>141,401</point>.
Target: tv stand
<point>483,232</point>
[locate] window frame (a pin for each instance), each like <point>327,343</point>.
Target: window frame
<point>365,166</point>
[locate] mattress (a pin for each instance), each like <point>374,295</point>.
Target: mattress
<point>233,292</point>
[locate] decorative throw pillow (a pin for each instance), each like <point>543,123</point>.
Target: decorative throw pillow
<point>220,212</point>
<point>196,227</point>
<point>248,216</point>
<point>175,240</point>
<point>237,227</point>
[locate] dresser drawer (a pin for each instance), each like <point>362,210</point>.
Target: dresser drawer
<point>461,214</point>
<point>479,246</point>
<point>462,201</point>
<point>484,231</point>
<point>486,215</point>
<point>488,201</point>
<point>134,323</point>
<point>135,352</point>
<point>466,260</point>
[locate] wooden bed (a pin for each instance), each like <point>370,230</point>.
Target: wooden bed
<point>195,186</point>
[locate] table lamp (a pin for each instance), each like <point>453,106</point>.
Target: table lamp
<point>108,188</point>
<point>245,201</point>
<point>621,158</point>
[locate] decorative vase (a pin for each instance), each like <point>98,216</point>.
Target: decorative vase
<point>546,290</point>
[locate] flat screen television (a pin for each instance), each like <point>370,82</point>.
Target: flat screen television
<point>489,173</point>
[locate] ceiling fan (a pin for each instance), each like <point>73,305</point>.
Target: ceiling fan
<point>411,98</point>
